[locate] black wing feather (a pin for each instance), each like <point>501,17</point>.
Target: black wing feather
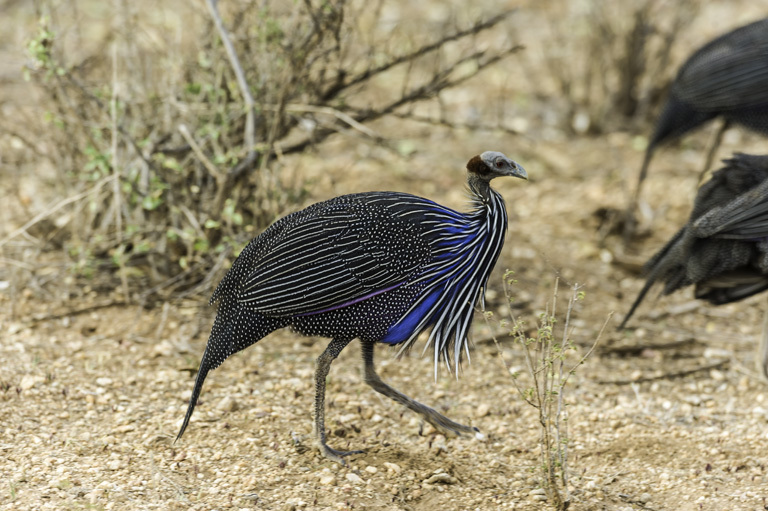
<point>333,253</point>
<point>729,73</point>
<point>723,250</point>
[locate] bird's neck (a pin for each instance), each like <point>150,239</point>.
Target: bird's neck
<point>488,203</point>
<point>480,188</point>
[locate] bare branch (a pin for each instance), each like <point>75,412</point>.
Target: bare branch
<point>368,74</point>
<point>207,163</point>
<point>57,207</point>
<point>250,123</point>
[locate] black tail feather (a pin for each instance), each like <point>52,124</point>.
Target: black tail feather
<point>202,372</point>
<point>648,283</point>
<point>661,263</point>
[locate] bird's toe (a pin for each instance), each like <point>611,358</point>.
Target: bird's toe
<point>336,455</point>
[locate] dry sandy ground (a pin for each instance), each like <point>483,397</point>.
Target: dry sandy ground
<point>91,401</point>
<point>91,398</point>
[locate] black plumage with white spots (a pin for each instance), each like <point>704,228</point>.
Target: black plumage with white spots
<point>381,267</point>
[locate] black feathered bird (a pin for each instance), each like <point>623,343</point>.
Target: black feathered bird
<point>380,267</point>
<point>723,249</point>
<point>727,77</point>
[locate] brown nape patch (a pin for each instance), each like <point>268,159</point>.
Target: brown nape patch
<point>477,166</point>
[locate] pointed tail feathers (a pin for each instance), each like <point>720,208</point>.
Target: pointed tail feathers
<point>201,374</point>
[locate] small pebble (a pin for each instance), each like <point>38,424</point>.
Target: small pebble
<point>328,480</point>
<point>392,468</point>
<point>442,478</point>
<point>228,404</point>
<point>28,381</point>
<point>354,478</point>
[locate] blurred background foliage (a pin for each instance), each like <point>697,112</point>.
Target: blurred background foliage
<point>138,129</point>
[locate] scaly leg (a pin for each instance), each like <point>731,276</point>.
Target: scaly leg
<point>322,366</point>
<point>713,147</point>
<point>438,420</point>
<point>761,359</point>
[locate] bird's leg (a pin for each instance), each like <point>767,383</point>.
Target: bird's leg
<point>322,366</point>
<point>761,360</point>
<point>718,137</point>
<point>438,420</point>
<point>630,220</point>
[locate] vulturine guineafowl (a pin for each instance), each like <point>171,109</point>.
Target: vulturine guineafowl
<point>379,267</point>
<point>727,77</point>
<point>723,249</point>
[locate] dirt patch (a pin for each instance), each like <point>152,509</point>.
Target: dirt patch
<point>91,402</point>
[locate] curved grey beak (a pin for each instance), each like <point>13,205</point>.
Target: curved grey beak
<point>518,171</point>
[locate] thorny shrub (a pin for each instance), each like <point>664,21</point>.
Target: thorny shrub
<point>164,166</point>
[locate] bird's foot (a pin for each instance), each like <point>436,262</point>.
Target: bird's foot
<point>443,423</point>
<point>333,454</point>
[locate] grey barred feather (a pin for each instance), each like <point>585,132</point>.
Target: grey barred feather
<point>728,78</point>
<point>723,249</point>
<point>729,73</point>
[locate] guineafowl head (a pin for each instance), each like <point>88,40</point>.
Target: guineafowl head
<point>493,164</point>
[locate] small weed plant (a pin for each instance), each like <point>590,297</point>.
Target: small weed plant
<point>551,357</point>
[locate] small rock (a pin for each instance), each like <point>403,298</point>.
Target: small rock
<point>392,468</point>
<point>694,400</point>
<point>425,428</point>
<point>644,497</point>
<point>29,380</point>
<point>482,410</point>
<point>442,478</point>
<point>717,353</point>
<point>328,480</point>
<point>115,465</point>
<point>103,381</point>
<point>162,349</point>
<point>354,478</point>
<point>125,428</point>
<point>228,404</point>
<point>439,444</point>
<point>519,124</point>
<point>371,470</point>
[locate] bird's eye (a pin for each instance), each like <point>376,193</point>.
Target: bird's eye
<point>499,163</point>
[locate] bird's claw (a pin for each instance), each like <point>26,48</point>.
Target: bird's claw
<point>334,455</point>
<point>443,423</point>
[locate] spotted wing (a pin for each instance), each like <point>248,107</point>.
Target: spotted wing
<point>334,254</point>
